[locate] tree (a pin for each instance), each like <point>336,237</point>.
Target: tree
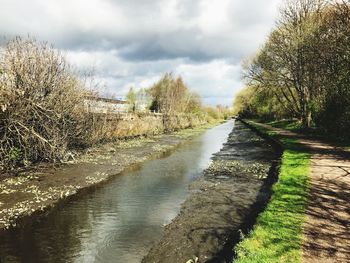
<point>335,70</point>
<point>194,103</point>
<point>304,65</point>
<point>132,98</point>
<point>169,95</point>
<point>287,63</point>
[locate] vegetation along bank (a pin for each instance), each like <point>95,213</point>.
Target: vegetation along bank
<point>306,219</point>
<point>277,235</point>
<point>44,116</point>
<point>302,71</point>
<point>34,191</point>
<point>298,88</point>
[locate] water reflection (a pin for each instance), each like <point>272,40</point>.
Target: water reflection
<point>120,221</point>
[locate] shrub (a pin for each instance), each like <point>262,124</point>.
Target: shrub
<point>41,105</point>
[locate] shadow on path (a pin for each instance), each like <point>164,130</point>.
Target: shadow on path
<point>327,227</point>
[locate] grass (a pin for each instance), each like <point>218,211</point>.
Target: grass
<point>290,125</point>
<point>295,126</point>
<point>277,235</point>
<point>190,132</point>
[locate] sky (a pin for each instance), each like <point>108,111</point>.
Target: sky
<point>134,42</point>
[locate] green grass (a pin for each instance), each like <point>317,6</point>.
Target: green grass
<point>290,125</point>
<point>277,235</point>
<point>295,126</point>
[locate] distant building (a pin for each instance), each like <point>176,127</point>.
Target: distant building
<point>142,107</point>
<point>104,105</point>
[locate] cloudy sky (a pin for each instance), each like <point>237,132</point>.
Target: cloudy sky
<point>133,42</point>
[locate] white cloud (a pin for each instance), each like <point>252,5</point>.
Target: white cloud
<point>216,79</point>
<point>134,42</point>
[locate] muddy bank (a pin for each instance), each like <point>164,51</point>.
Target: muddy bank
<point>36,192</point>
<point>225,200</point>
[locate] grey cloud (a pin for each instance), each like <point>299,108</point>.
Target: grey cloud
<point>141,39</point>
<point>143,33</point>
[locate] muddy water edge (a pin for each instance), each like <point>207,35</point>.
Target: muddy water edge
<point>224,202</point>
<point>117,221</point>
<point>35,191</point>
<point>122,220</point>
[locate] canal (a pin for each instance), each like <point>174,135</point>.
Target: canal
<point>120,221</point>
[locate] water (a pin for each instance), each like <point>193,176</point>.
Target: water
<point>120,221</point>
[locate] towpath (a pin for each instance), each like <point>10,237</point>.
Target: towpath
<point>327,226</point>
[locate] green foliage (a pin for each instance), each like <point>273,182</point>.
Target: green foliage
<point>290,125</point>
<point>194,103</point>
<point>219,112</point>
<point>212,113</point>
<point>277,236</point>
<point>132,98</point>
<point>303,71</point>
<point>15,154</point>
<point>334,117</point>
<point>253,102</point>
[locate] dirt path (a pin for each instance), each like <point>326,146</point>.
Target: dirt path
<point>327,227</point>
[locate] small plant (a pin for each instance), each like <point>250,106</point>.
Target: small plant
<point>15,154</point>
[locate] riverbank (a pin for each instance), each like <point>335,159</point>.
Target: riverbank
<point>277,235</point>
<point>224,202</point>
<point>34,192</point>
<point>307,217</point>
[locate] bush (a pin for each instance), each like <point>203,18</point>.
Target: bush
<point>41,105</point>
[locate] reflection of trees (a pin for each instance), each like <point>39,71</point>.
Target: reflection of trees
<point>54,238</point>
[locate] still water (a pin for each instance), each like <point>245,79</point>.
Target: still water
<point>120,221</point>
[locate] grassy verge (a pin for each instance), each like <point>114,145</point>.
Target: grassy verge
<point>189,132</point>
<point>277,235</point>
<point>290,125</point>
<point>295,126</point>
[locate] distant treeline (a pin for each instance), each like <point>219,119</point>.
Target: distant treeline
<point>171,96</point>
<point>43,115</point>
<point>303,70</point>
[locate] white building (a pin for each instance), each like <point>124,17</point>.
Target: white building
<point>104,105</point>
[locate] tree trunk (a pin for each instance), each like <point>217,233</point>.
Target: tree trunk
<point>306,115</point>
